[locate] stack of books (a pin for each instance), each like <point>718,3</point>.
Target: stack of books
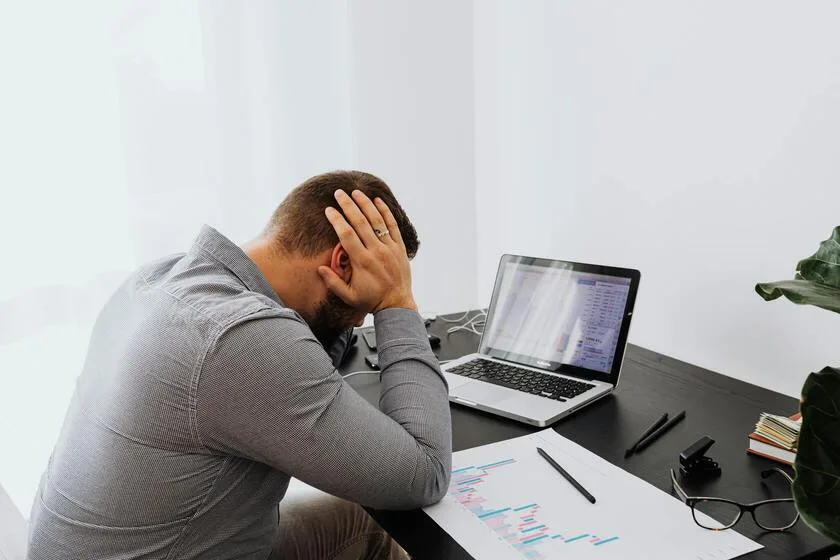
<point>776,437</point>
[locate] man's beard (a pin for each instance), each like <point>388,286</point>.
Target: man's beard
<point>332,318</point>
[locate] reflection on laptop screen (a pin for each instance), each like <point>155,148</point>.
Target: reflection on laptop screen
<point>557,315</point>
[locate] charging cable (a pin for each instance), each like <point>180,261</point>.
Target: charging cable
<point>472,325</point>
<point>349,375</point>
<point>457,320</point>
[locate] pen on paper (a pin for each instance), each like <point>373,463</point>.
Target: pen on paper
<point>566,475</point>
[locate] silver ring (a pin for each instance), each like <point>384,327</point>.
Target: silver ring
<point>380,232</point>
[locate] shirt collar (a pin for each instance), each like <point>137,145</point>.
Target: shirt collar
<point>234,259</point>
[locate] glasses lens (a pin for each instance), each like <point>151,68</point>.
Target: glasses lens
<point>775,515</point>
<point>715,514</point>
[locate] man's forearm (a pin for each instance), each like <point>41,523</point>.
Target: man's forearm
<point>415,395</point>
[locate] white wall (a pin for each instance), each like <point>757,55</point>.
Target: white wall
<point>412,122</point>
<point>224,108</point>
<point>698,142</point>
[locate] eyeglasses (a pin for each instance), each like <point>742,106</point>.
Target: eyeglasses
<point>770,515</point>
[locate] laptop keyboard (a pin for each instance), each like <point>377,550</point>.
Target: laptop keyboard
<point>525,380</point>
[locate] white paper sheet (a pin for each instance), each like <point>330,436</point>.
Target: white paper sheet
<point>507,502</point>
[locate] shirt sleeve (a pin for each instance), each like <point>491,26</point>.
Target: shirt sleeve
<point>269,392</point>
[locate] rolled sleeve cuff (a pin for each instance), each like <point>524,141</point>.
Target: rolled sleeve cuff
<point>401,335</point>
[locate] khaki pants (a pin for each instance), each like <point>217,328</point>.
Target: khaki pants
<point>317,526</point>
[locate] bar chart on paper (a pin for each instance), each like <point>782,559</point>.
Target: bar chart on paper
<point>519,525</point>
<point>505,501</point>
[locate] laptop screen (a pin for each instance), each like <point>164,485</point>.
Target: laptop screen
<point>561,316</point>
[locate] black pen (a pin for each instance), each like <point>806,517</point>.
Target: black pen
<point>654,426</point>
<point>655,435</point>
<point>566,475</point>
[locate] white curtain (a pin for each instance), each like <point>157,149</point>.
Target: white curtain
<point>123,127</point>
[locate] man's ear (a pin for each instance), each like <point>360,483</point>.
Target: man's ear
<point>340,263</point>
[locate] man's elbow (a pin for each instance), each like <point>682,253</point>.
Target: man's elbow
<point>432,495</point>
<point>434,486</point>
<point>428,487</point>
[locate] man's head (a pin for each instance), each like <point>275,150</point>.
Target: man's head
<point>299,226</point>
<point>300,239</point>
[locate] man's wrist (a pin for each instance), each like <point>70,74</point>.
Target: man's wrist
<point>409,304</point>
<point>402,303</point>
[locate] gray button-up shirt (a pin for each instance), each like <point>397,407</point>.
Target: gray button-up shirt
<point>202,394</point>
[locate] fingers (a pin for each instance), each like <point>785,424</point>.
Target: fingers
<point>373,216</point>
<point>390,222</point>
<point>337,285</point>
<point>346,234</point>
<point>356,218</point>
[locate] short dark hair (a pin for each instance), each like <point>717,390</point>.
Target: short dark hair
<point>299,225</point>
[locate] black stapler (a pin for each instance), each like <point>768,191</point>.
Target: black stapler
<point>693,460</point>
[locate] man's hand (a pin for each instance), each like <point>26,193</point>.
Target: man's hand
<point>381,275</point>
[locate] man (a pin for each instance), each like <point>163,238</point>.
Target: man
<point>208,384</point>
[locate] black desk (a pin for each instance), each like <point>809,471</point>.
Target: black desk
<point>721,407</point>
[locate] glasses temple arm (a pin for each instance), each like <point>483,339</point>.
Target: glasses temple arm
<point>676,485</point>
<point>776,470</point>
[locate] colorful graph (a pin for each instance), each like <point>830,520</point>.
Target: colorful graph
<point>519,526</point>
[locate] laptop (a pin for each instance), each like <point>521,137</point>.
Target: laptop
<point>553,341</point>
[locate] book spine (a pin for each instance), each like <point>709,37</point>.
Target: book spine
<point>772,458</point>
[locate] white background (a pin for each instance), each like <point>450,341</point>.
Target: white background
<point>697,142</point>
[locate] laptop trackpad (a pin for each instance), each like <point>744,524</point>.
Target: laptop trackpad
<point>483,393</point>
<point>455,381</point>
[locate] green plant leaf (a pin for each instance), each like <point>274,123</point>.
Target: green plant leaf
<point>816,488</point>
<point>824,266</point>
<point>803,292</point>
<point>817,280</point>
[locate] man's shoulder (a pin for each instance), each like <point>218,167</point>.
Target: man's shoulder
<point>207,290</point>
